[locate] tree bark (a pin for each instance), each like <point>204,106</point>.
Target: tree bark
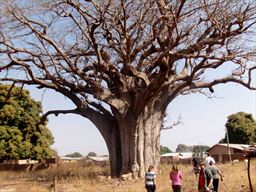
<point>148,141</point>
<point>136,139</point>
<point>113,144</point>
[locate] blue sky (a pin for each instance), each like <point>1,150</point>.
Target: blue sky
<point>203,120</point>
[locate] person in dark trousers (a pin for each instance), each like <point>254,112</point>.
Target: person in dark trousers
<point>150,183</point>
<point>196,166</point>
<point>176,178</point>
<point>216,174</point>
<point>205,178</point>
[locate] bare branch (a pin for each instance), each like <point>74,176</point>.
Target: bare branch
<point>120,53</point>
<point>56,113</point>
<point>167,127</point>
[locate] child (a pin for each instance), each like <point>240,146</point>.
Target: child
<point>176,178</point>
<point>150,177</point>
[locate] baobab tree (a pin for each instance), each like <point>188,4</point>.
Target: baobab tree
<point>122,62</point>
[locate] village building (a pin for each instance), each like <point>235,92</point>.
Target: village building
<point>99,160</point>
<point>184,157</point>
<point>223,152</point>
<point>70,159</point>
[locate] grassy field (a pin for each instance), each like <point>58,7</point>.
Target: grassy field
<point>84,178</point>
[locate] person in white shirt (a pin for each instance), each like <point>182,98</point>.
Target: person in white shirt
<point>208,159</point>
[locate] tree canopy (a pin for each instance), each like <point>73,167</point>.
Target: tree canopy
<point>92,154</point>
<point>200,149</point>
<point>123,62</point>
<point>197,149</point>
<point>20,137</point>
<point>74,155</point>
<point>184,148</point>
<point>164,149</point>
<point>241,128</point>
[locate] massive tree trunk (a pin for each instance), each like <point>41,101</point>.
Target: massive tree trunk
<point>113,142</point>
<point>148,141</point>
<point>135,139</point>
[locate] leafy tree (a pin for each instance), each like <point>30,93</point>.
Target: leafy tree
<point>241,128</point>
<point>122,62</point>
<point>200,149</point>
<point>184,148</point>
<point>74,155</point>
<point>20,137</point>
<point>92,154</point>
<point>164,149</point>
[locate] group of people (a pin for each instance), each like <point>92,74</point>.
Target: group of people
<point>209,175</point>
<point>206,172</point>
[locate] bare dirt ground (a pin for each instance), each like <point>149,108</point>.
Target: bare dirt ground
<point>235,180</point>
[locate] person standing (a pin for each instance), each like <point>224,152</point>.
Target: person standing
<point>215,174</point>
<point>205,178</point>
<point>208,159</point>
<point>150,183</point>
<point>196,167</point>
<point>176,178</point>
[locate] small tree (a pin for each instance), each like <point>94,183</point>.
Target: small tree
<point>20,137</point>
<point>184,148</point>
<point>164,149</point>
<point>241,129</point>
<point>200,149</point>
<point>92,154</point>
<point>74,155</point>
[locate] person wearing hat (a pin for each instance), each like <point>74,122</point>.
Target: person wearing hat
<point>205,178</point>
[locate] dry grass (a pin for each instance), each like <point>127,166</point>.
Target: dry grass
<point>83,178</point>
